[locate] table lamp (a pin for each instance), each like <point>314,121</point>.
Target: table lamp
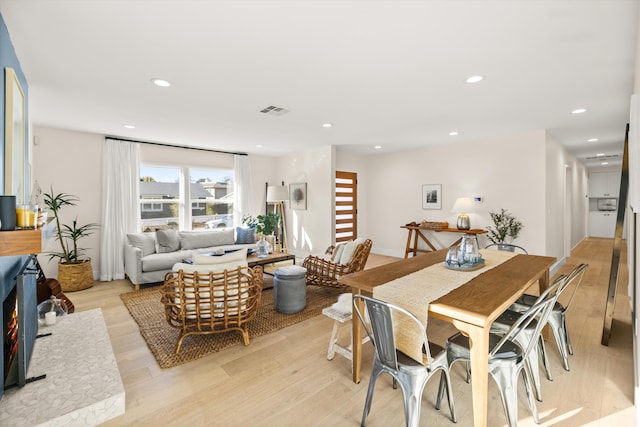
<point>277,194</point>
<point>463,206</point>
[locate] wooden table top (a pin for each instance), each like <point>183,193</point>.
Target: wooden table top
<point>476,302</point>
<point>451,230</point>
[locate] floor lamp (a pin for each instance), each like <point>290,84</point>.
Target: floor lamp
<point>277,194</point>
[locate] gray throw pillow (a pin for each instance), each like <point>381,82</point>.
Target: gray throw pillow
<point>245,235</point>
<point>168,241</point>
<point>146,242</point>
<point>206,239</point>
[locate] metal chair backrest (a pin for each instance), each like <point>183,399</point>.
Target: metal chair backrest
<point>574,279</point>
<point>380,328</point>
<point>507,247</point>
<point>539,311</point>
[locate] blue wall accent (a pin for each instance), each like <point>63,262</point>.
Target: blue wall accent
<point>8,58</point>
<point>9,265</point>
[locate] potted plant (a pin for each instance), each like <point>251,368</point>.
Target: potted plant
<point>506,228</point>
<point>266,226</point>
<point>74,270</point>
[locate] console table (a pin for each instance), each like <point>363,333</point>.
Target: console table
<point>416,231</point>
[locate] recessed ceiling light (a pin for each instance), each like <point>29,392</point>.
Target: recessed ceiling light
<point>600,154</point>
<point>326,125</point>
<point>129,126</point>
<point>377,147</point>
<point>579,111</point>
<point>592,140</point>
<point>474,79</point>
<point>604,163</point>
<point>160,82</point>
<point>258,145</point>
<point>453,133</point>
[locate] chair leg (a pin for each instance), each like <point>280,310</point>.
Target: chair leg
<point>375,373</point>
<point>545,358</point>
<point>530,400</point>
<point>507,380</point>
<point>557,326</point>
<point>446,377</point>
<point>332,341</point>
<point>566,334</point>
<point>412,388</point>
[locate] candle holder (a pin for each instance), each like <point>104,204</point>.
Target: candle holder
<point>51,311</point>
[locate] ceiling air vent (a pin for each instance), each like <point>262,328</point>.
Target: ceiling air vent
<point>608,156</point>
<point>272,110</point>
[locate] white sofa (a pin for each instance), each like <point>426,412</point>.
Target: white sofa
<point>148,257</point>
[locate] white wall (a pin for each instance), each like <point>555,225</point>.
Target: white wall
<point>70,162</point>
<point>508,172</point>
<point>311,230</point>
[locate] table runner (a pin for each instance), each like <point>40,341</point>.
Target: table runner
<point>415,291</point>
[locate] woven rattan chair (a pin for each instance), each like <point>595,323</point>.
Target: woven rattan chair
<point>212,302</point>
<point>322,272</point>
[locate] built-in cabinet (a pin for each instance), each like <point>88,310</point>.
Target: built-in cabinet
<point>602,224</point>
<point>603,185</point>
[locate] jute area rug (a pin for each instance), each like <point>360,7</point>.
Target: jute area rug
<point>147,310</point>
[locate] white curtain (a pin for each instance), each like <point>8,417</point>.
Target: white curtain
<point>120,204</point>
<point>242,190</point>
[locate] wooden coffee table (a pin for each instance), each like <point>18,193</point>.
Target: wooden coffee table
<point>274,257</point>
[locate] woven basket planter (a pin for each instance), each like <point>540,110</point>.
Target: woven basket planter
<point>75,277</point>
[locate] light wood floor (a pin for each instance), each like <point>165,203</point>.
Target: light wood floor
<point>284,379</point>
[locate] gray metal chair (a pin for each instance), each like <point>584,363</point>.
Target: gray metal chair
<point>507,247</point>
<point>507,358</point>
<point>410,374</point>
<point>504,322</point>
<point>557,318</point>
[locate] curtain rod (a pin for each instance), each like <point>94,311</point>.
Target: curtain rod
<point>177,146</point>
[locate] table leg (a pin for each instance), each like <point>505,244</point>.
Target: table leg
<point>479,342</point>
<point>543,284</point>
<point>408,248</point>
<point>356,336</point>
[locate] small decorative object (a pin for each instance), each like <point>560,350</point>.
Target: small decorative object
<point>466,257</point>
<point>506,228</point>
<point>26,216</point>
<point>463,206</point>
<point>52,310</point>
<point>264,248</point>
<point>298,195</point>
<point>8,212</point>
<point>432,196</point>
<point>74,272</point>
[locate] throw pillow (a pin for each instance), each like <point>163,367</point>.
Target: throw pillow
<point>206,239</point>
<point>168,241</point>
<point>146,242</point>
<point>245,235</point>
<point>349,250</point>
<point>337,253</point>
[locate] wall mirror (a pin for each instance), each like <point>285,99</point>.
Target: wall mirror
<point>14,137</point>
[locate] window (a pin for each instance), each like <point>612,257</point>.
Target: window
<point>164,191</point>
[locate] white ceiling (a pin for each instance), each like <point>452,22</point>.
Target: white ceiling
<point>382,72</point>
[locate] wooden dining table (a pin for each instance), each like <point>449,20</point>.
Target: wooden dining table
<point>471,308</point>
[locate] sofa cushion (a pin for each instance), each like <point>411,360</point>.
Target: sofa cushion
<point>204,239</point>
<point>168,241</point>
<point>165,261</point>
<point>245,235</point>
<point>146,242</point>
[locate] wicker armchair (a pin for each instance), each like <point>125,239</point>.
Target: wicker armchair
<point>189,306</point>
<point>322,272</point>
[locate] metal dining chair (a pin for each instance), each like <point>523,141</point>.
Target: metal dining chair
<point>508,355</point>
<point>507,247</point>
<point>538,352</point>
<point>409,373</point>
<point>557,318</point>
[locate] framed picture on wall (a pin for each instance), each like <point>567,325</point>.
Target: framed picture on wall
<point>298,195</point>
<point>432,196</point>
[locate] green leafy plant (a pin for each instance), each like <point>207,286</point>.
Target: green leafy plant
<point>249,221</point>
<point>268,223</point>
<point>506,227</point>
<point>67,235</point>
